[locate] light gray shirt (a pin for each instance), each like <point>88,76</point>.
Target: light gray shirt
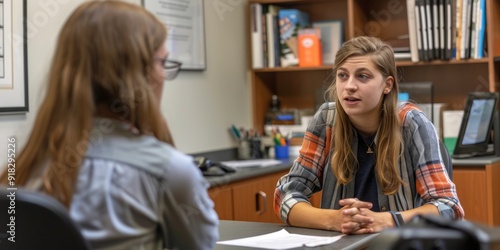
<point>136,192</point>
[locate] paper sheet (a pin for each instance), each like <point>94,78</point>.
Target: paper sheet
<point>282,240</point>
<point>252,163</point>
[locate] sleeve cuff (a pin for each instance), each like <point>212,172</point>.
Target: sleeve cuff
<point>287,205</point>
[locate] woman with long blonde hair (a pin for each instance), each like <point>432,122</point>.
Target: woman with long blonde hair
<point>100,145</point>
<point>376,161</point>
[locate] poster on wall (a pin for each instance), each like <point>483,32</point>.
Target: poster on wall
<point>13,57</point>
<point>186,32</point>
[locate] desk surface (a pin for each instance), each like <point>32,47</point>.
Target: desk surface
<point>247,173</point>
<point>480,160</point>
<point>230,230</point>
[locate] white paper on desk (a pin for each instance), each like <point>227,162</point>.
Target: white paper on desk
<point>282,240</point>
<point>252,163</point>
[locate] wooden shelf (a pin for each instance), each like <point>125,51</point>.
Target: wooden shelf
<point>439,62</point>
<point>398,63</point>
<point>298,87</point>
<point>289,69</point>
<point>285,2</point>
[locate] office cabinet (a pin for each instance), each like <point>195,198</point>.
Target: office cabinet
<point>253,199</point>
<point>478,189</point>
<point>477,186</point>
<point>223,201</point>
<point>250,199</point>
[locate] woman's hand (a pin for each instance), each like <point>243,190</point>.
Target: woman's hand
<point>357,218</point>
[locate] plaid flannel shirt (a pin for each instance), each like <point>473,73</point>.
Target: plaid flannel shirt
<point>420,166</point>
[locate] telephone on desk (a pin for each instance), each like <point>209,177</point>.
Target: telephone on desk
<point>212,168</point>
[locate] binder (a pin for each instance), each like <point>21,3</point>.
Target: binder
<point>442,30</point>
<point>466,17</point>
<point>436,27</point>
<point>256,25</point>
<point>429,30</point>
<point>418,25</point>
<point>412,30</point>
<point>450,29</point>
<point>272,35</point>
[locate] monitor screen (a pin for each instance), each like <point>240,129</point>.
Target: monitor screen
<point>477,122</point>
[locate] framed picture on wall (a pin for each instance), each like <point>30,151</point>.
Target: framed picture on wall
<point>186,33</point>
<point>13,57</point>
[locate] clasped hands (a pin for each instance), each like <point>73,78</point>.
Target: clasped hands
<point>357,218</point>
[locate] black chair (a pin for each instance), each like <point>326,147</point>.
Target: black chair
<point>431,232</point>
<point>446,159</point>
<point>38,222</point>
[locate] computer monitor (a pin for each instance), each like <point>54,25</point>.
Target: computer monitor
<point>475,130</point>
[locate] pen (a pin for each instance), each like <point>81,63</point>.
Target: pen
<point>235,132</point>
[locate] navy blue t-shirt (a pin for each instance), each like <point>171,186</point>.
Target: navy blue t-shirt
<point>365,185</point>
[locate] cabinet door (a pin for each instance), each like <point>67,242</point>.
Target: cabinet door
<point>223,200</point>
<point>253,199</point>
<point>471,190</point>
<point>478,189</point>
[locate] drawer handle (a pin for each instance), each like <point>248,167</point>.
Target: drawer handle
<point>264,202</point>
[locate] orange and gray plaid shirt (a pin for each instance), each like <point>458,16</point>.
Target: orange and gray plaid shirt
<point>420,166</point>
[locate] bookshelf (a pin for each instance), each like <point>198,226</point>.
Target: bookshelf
<point>453,79</point>
<point>298,87</point>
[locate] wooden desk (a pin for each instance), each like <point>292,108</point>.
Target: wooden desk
<point>247,195</point>
<point>230,230</point>
<point>478,187</point>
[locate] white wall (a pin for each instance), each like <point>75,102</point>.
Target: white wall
<point>199,105</point>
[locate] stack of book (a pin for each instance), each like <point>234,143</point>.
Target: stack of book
<point>401,47</point>
<point>275,38</point>
<point>447,29</point>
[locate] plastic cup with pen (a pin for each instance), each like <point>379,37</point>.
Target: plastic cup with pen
<point>249,143</point>
<point>281,147</point>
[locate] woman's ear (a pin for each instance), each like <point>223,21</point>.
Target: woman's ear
<point>389,82</point>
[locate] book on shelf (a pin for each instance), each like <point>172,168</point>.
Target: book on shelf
<point>331,38</point>
<point>264,37</point>
<point>429,29</point>
<point>446,29</point>
<point>412,30</point>
<point>418,31</point>
<point>273,37</point>
<point>256,36</point>
<point>449,29</point>
<point>424,51</point>
<point>442,29</point>
<point>401,47</point>
<point>481,30</point>
<point>290,21</point>
<point>466,24</point>
<point>436,27</point>
<point>458,48</point>
<point>309,47</point>
<point>472,46</point>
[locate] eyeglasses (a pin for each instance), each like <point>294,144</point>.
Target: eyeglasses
<point>171,67</point>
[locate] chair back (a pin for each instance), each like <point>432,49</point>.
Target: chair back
<point>36,221</point>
